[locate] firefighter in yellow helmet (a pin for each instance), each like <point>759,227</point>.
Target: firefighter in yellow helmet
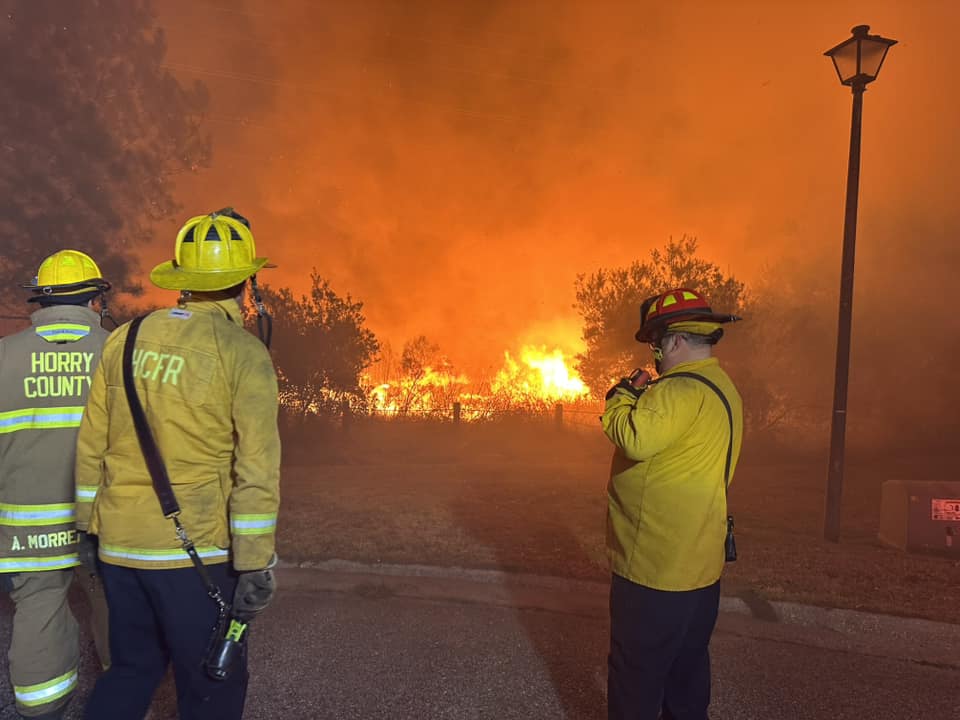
<point>677,440</point>
<point>207,396</point>
<point>45,374</point>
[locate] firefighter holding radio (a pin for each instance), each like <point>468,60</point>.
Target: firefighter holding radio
<point>677,441</point>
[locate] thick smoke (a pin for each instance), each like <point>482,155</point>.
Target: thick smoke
<point>455,165</point>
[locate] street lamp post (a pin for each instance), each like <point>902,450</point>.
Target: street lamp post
<point>857,61</point>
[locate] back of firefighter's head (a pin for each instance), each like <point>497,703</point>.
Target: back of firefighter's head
<point>68,277</point>
<point>214,255</point>
<point>680,326</point>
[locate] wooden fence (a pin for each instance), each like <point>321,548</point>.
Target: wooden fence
<point>562,415</point>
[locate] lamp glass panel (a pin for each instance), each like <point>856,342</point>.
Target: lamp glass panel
<point>871,55</point>
<point>845,60</point>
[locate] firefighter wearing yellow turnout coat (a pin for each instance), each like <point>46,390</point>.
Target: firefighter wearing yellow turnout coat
<point>677,442</point>
<point>209,392</point>
<point>45,374</point>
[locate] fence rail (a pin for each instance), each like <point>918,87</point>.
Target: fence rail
<point>560,415</point>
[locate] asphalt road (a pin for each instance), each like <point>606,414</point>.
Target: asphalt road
<point>355,646</point>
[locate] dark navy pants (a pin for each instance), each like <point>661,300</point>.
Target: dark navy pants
<point>158,617</point>
<point>659,662</point>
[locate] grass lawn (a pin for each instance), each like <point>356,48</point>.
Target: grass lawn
<point>529,498</point>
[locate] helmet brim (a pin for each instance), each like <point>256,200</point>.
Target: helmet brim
<point>94,285</point>
<point>169,276</point>
<point>660,326</point>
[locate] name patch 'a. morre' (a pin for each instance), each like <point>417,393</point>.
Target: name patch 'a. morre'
<point>42,541</point>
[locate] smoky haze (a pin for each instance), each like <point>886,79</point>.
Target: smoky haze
<point>455,165</point>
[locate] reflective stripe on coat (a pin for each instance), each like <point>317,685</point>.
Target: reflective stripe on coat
<point>209,390</point>
<point>45,375</point>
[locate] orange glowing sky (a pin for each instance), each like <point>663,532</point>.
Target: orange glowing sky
<point>456,164</point>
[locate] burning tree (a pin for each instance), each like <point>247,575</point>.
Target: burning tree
<point>425,384</point>
<point>536,381</point>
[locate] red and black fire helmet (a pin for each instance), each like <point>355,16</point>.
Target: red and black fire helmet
<point>659,312</point>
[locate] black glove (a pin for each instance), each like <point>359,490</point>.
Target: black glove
<point>626,384</point>
<point>87,550</point>
<point>254,591</point>
<point>638,377</point>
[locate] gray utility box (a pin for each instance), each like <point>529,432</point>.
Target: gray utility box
<point>920,515</point>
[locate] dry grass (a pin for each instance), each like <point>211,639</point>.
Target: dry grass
<point>524,497</point>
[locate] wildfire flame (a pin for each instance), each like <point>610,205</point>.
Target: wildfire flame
<point>543,375</point>
<point>540,378</point>
<point>428,393</point>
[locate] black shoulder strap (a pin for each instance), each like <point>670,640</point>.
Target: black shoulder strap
<point>157,468</point>
<point>726,404</point>
<point>148,445</point>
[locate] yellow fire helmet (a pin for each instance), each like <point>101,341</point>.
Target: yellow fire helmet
<point>66,272</point>
<point>212,252</point>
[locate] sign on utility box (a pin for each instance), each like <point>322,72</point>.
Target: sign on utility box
<point>921,516</point>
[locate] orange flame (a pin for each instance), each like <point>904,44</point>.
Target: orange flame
<point>539,378</point>
<point>431,392</point>
<point>544,375</point>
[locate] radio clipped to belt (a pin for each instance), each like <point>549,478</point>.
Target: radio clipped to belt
<point>230,632</point>
<point>729,542</point>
